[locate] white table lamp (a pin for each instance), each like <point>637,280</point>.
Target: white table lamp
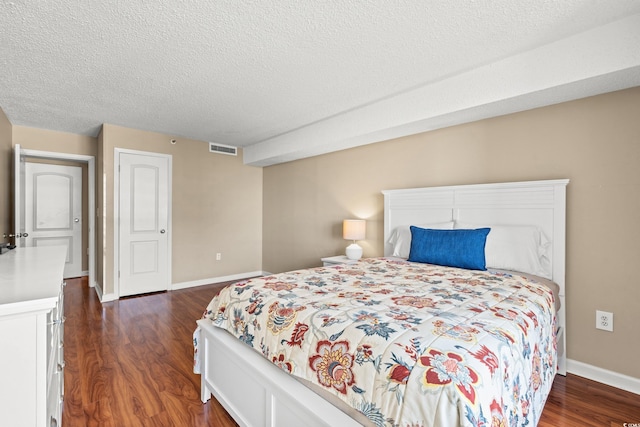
<point>354,229</point>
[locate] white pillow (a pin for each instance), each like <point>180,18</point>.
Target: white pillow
<point>401,237</point>
<point>521,248</point>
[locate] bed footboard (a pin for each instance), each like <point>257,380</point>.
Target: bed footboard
<point>255,392</point>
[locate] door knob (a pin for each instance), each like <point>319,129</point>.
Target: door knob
<point>162,231</point>
<point>76,219</point>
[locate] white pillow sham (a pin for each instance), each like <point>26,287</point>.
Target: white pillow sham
<point>521,248</point>
<point>401,237</point>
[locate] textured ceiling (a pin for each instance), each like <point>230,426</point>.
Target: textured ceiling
<point>289,79</point>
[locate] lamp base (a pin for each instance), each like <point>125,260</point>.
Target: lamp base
<point>354,251</point>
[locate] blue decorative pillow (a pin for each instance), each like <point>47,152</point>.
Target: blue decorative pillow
<point>454,248</point>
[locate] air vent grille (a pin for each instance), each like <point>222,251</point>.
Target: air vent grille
<point>223,149</point>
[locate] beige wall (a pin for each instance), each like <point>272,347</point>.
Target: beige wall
<point>50,140</point>
<point>218,202</point>
<point>217,206</point>
<point>5,179</point>
<point>593,141</point>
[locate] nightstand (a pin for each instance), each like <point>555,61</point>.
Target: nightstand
<point>336,260</point>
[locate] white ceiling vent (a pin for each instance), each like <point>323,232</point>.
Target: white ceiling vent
<point>223,149</point>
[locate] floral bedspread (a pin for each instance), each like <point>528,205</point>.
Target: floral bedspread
<point>406,344</point>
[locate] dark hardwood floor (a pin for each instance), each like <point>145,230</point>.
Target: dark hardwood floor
<point>129,363</point>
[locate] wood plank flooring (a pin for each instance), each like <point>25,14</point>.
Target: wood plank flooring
<point>129,363</point>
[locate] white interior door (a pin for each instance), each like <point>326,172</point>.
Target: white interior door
<point>53,210</point>
<point>143,234</point>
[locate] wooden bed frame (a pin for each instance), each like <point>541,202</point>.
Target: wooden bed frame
<point>257,393</point>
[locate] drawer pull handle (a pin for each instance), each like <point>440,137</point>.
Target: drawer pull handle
<point>54,422</point>
<point>59,321</point>
<point>60,366</point>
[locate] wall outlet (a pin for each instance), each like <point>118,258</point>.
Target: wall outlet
<point>218,256</point>
<point>604,320</point>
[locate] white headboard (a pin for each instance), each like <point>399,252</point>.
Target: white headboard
<point>540,203</point>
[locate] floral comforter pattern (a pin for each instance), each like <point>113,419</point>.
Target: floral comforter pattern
<point>406,344</point>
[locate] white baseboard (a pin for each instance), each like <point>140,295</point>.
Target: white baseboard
<point>614,379</point>
<point>104,297</point>
<point>109,297</point>
<point>183,285</point>
<point>194,283</point>
<point>98,290</point>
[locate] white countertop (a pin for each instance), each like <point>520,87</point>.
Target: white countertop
<point>30,278</point>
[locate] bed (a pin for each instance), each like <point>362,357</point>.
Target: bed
<point>390,341</point>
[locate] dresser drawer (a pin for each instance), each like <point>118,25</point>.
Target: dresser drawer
<point>55,363</point>
<point>54,397</point>
<point>55,335</point>
<point>55,318</point>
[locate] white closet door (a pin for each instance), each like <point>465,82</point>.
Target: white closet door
<point>143,223</point>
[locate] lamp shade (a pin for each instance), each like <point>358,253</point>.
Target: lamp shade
<point>353,229</point>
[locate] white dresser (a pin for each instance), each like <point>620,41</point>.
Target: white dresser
<point>31,336</point>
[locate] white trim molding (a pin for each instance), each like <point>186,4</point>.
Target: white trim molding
<point>211,281</point>
<point>613,379</point>
<point>191,284</point>
<point>104,297</point>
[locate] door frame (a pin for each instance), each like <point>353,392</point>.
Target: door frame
<point>116,213</point>
<point>91,189</point>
